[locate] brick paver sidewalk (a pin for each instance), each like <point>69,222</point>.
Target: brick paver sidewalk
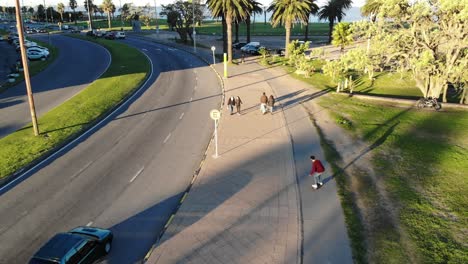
<point>243,207</point>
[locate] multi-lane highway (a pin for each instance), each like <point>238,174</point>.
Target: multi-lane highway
<point>77,65</point>
<point>128,174</point>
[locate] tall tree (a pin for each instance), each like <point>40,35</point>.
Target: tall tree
<point>371,8</point>
<point>108,6</point>
<point>331,12</point>
<point>342,5</point>
<point>342,35</point>
<point>286,12</point>
<point>61,9</point>
<point>313,11</point>
<point>254,8</point>
<point>230,9</point>
<point>89,7</point>
<point>73,5</point>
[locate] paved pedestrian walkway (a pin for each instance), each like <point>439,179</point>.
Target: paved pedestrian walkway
<point>246,206</point>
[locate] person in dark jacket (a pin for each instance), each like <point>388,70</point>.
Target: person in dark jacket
<point>271,103</point>
<point>263,103</point>
<point>230,104</point>
<point>316,171</point>
<point>238,103</point>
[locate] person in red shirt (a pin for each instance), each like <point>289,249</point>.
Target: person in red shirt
<point>316,171</point>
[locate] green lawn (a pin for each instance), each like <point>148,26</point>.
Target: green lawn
<point>421,158</point>
<point>213,27</point>
<point>127,71</point>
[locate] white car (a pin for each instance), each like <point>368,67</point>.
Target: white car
<point>45,51</point>
<point>120,35</point>
<point>36,55</point>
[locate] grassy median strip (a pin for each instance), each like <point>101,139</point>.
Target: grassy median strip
<point>126,73</point>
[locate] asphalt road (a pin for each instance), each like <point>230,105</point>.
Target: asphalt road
<point>73,70</point>
<point>129,174</point>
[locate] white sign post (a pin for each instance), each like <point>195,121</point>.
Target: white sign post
<point>215,115</point>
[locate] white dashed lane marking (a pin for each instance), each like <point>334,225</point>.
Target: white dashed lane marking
<point>167,138</point>
<point>89,224</point>
<point>181,116</point>
<point>136,175</point>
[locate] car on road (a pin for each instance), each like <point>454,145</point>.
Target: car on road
<point>80,245</point>
<point>45,51</point>
<point>238,45</point>
<point>41,30</point>
<point>110,35</point>
<point>251,48</point>
<point>120,35</point>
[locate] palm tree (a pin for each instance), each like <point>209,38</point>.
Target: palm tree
<point>73,5</point>
<point>61,9</point>
<point>89,6</point>
<point>107,6</point>
<point>230,9</point>
<point>313,11</point>
<point>342,35</point>
<point>371,8</point>
<point>331,12</point>
<point>254,8</point>
<point>286,12</point>
<point>342,6</point>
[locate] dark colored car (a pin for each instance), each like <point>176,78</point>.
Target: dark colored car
<point>110,35</point>
<point>80,245</point>
<point>90,33</point>
<point>238,45</point>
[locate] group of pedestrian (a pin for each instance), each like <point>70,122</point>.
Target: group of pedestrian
<point>267,103</point>
<point>234,101</point>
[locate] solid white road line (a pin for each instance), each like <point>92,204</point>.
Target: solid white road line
<point>181,116</point>
<point>136,175</point>
<point>144,49</point>
<point>89,224</point>
<point>167,138</point>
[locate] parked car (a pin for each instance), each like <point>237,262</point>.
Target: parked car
<point>120,35</point>
<point>36,55</point>
<point>251,47</point>
<point>99,33</point>
<point>238,45</point>
<point>80,245</point>
<point>110,35</point>
<point>90,33</point>
<point>45,51</point>
<point>31,31</point>
<point>41,30</point>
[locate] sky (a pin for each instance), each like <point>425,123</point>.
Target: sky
<point>136,2</point>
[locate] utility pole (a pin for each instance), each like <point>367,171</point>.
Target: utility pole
<point>194,32</point>
<point>24,59</point>
<point>157,22</point>
<point>90,25</point>
<point>45,11</point>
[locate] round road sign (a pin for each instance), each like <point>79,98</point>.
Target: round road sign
<point>215,114</point>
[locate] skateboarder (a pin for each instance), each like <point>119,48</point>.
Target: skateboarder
<point>316,171</point>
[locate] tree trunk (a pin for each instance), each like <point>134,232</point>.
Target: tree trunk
<point>463,99</point>
<point>237,31</point>
<point>108,20</point>
<point>247,22</point>
<point>229,36</point>
<point>287,26</point>
<point>74,16</point>
<point>330,26</point>
<point>306,35</point>
<point>61,17</point>
<point>224,34</point>
<point>444,97</point>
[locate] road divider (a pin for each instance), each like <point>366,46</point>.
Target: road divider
<point>127,72</point>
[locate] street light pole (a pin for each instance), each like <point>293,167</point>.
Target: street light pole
<point>213,48</point>
<point>156,15</point>
<point>194,32</point>
<point>24,59</point>
<point>45,11</point>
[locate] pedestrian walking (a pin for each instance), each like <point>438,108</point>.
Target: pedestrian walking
<point>271,103</point>
<point>316,171</point>
<point>242,57</point>
<point>263,103</point>
<point>238,103</point>
<point>230,104</point>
